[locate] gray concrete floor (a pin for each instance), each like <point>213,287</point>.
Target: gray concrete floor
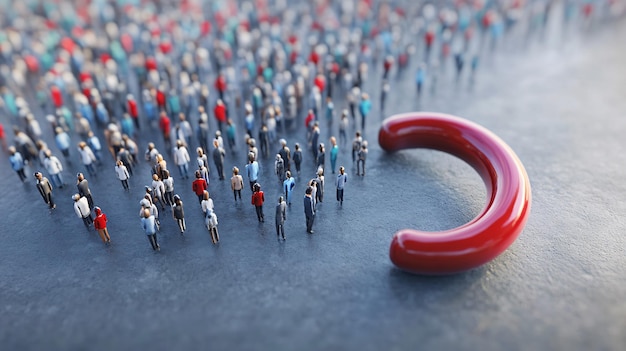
<point>560,286</point>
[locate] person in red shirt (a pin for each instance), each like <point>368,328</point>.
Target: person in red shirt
<point>100,223</point>
<point>3,139</point>
<point>257,200</point>
<point>314,57</point>
<point>57,96</point>
<point>220,113</point>
<point>131,106</point>
<point>164,126</point>
<point>320,82</point>
<point>161,99</point>
<point>199,186</point>
<point>387,66</point>
<point>310,118</point>
<point>308,123</point>
<point>220,85</point>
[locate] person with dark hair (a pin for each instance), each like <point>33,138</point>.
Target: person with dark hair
<point>45,189</point>
<point>199,186</point>
<point>281,217</point>
<point>126,158</point>
<point>288,186</point>
<point>285,153</point>
<point>319,182</point>
<point>279,168</point>
<point>309,210</point>
<point>168,184</point>
<point>297,157</point>
<point>321,156</point>
<point>356,145</point>
<point>362,156</point>
<point>252,169</point>
<point>83,188</point>
<point>342,178</point>
<point>257,200</point>
<point>179,214</point>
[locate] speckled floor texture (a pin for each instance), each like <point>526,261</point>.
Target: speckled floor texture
<point>560,286</point>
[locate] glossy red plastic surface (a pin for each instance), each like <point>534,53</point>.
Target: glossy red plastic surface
<point>508,194</point>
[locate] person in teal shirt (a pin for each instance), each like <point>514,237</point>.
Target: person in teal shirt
<point>364,108</point>
<point>334,150</point>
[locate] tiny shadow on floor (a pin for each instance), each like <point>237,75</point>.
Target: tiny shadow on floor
<point>405,285</point>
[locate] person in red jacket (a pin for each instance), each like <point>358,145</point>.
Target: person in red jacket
<point>161,99</point>
<point>257,200</point>
<point>100,223</point>
<point>131,106</point>
<point>220,113</point>
<point>199,186</point>
<point>164,126</point>
<point>3,139</point>
<point>57,96</point>
<point>320,82</point>
<point>220,85</point>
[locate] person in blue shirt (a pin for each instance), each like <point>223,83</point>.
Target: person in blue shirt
<point>231,132</point>
<point>63,142</point>
<point>334,150</point>
<point>252,170</point>
<point>420,77</point>
<point>288,185</point>
<point>17,163</point>
<point>148,223</point>
<point>330,111</point>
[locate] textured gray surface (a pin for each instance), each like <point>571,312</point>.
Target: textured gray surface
<point>559,286</point>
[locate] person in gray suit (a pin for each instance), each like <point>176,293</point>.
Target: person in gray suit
<point>309,210</point>
<point>45,189</point>
<point>281,217</point>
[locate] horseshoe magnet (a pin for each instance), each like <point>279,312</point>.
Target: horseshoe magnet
<point>508,194</point>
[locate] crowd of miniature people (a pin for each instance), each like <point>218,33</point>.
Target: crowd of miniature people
<point>185,92</point>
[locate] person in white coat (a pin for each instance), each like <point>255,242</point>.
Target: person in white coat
<point>181,159</point>
<point>87,157</point>
<point>54,167</point>
<point>81,207</point>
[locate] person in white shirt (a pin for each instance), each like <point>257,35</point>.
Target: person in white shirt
<point>207,203</point>
<point>81,207</point>
<point>54,168</point>
<point>122,174</point>
<point>87,157</point>
<point>158,190</point>
<point>181,158</point>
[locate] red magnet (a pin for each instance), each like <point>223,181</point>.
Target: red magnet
<point>508,194</point>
